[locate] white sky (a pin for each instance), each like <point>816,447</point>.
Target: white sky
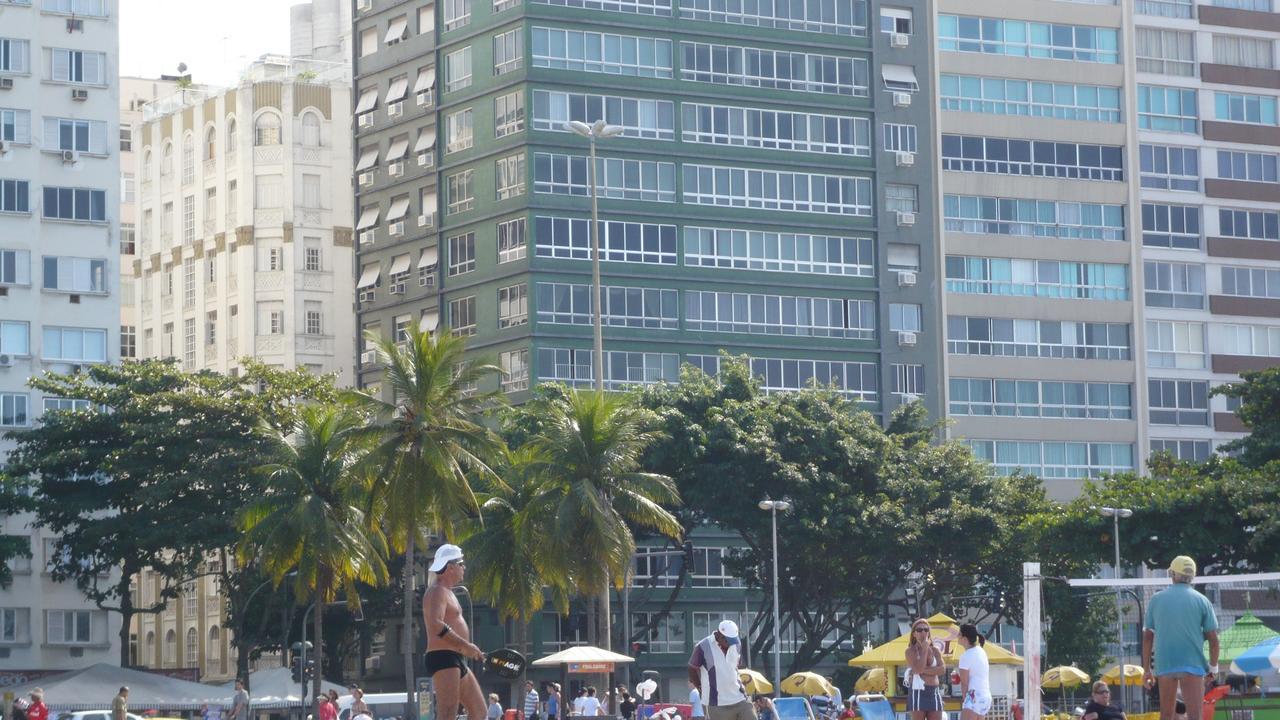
<point>216,39</point>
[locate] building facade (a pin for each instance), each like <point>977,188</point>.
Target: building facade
<point>59,261</point>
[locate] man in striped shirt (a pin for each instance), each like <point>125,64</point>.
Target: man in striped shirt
<point>530,701</point>
<point>714,667</point>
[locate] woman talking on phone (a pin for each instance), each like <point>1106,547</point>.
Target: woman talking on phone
<point>975,673</point>
<point>924,699</point>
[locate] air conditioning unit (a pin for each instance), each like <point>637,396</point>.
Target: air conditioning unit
<point>6,360</point>
<point>366,178</point>
<point>426,159</point>
<point>373,664</point>
<point>899,40</point>
<point>396,169</point>
<point>395,109</point>
<point>368,357</point>
<point>427,220</point>
<point>366,120</point>
<point>905,159</point>
<point>6,83</point>
<point>396,228</point>
<point>79,94</point>
<point>424,98</point>
<point>75,25</point>
<point>70,156</point>
<point>906,338</point>
<point>366,237</point>
<point>902,99</point>
<point>906,219</point>
<point>906,278</point>
<point>4,146</point>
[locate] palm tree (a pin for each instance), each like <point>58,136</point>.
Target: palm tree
<point>596,491</point>
<point>311,519</point>
<point>429,444</point>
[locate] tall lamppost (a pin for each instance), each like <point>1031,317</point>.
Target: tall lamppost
<point>597,129</point>
<point>1115,514</point>
<point>773,507</point>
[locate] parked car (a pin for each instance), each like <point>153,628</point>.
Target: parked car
<point>793,708</point>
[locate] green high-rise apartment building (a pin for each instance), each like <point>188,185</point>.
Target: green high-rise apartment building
<point>765,198</point>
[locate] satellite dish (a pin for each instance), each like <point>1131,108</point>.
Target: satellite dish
<point>182,67</point>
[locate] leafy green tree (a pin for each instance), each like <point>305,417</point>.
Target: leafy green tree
<point>152,474</point>
<point>1259,394</point>
<point>15,499</point>
<point>430,444</point>
<point>311,519</point>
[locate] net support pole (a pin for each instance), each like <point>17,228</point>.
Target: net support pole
<point>1031,640</point>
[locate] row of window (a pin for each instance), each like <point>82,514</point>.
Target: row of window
<point>1037,278</point>
<point>1029,98</point>
<point>857,380</point>
<point>1037,338</point>
<point>1186,8</point>
<point>266,131</point>
<point>79,67</point>
<point>1179,226</point>
<point>1032,218</point>
<point>1018,38</point>
<point>1055,460</point>
<point>66,274</point>
<point>61,344</point>
<point>60,203</point>
<point>1040,158</point>
<point>1169,109</point>
<point>1040,399</point>
<point>86,136</point>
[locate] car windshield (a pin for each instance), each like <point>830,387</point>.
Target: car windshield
<point>792,709</point>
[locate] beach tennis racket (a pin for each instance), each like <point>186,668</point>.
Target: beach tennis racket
<point>505,663</point>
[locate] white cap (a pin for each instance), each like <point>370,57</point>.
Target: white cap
<point>729,629</point>
<point>445,555</point>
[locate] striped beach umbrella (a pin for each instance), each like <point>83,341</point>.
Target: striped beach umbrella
<point>1259,659</point>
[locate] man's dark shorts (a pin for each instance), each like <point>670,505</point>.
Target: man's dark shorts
<point>438,660</point>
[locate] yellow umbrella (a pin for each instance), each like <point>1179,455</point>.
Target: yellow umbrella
<point>875,680</point>
<point>807,684</point>
<point>945,629</point>
<point>1063,677</point>
<point>1132,675</point>
<point>755,683</point>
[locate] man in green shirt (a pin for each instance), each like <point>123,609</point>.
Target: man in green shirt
<point>1179,620</point>
<point>120,705</point>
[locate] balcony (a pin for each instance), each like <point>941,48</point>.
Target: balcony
<point>314,281</point>
<point>268,217</point>
<point>210,168</point>
<point>268,280</point>
<point>268,154</point>
<point>314,344</point>
<point>210,226</point>
<point>311,155</point>
<point>310,217</point>
<point>268,344</point>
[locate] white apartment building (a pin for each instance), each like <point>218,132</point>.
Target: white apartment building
<point>59,302</point>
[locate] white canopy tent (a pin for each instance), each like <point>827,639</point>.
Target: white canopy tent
<point>581,654</point>
<point>274,689</point>
<point>93,687</point>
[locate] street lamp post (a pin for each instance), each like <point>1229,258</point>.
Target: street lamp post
<point>598,129</point>
<point>1115,514</point>
<point>773,506</point>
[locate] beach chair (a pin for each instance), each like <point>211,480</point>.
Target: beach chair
<point>874,706</point>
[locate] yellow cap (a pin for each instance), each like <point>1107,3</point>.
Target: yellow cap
<point>1183,565</point>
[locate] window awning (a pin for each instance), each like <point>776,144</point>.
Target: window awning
<point>368,276</point>
<point>430,321</point>
<point>895,13</point>
<point>395,31</point>
<point>397,149</point>
<point>399,265</point>
<point>368,99</point>
<point>426,141</point>
<point>367,160</point>
<point>899,77</point>
<point>399,208</point>
<point>426,80</point>
<point>430,258</point>
<point>368,218</point>
<point>396,92</point>
<point>429,203</point>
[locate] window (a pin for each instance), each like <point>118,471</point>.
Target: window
<point>899,78</point>
<point>73,274</point>
<point>1018,277</point>
<point>776,69</point>
<point>1250,282</point>
<point>231,135</point>
<point>1040,158</point>
<point>1184,450</point>
<point>900,198</point>
<point>1178,402</point>
<point>1175,345</point>
<point>1236,107</point>
<point>509,172</point>
<point>211,327</point>
<point>776,190</point>
<point>1244,51</point>
<point>1251,224</point>
<point>638,117</point>
<point>77,66</point>
<point>462,316</point>
<point>1165,167</point>
<point>457,13</point>
<point>231,201</point>
<point>13,409</point>
<point>1171,226</point>
<point>368,41</point>
<point>166,159</point>
<point>595,52</point>
<point>621,369</point>
<point>457,69</point>
<point>1040,399</point>
<point>1167,109</point>
<point>895,20</point>
<point>1008,337</point>
<point>508,51</point>
<point>843,17</point>
<point>904,317</point>
<point>459,132</point>
<point>311,129</point>
<point>188,281</point>
<point>1173,285</point>
<point>462,254</point>
<point>568,238</point>
<point>1247,166</point>
<point>86,136</point>
<point>1254,5</point>
<point>902,256</point>
<point>1030,98</point>
<point>460,192</point>
<point>1166,8</point>
<point>15,196</point>
<point>189,343</point>
<point>782,252</point>
<point>515,369</point>
<point>268,191</point>
<point>639,7</point>
<point>266,130</point>
<point>856,380</point>
<point>128,341</point>
<point>513,306</point>
<point>1016,38</point>
<point>270,258</point>
<point>189,219</point>
<point>568,304</point>
<point>75,344</point>
<point>397,29</point>
<point>68,627</point>
<point>1251,340</point>
<point>1055,460</point>
<point>15,337</point>
<point>80,204</point>
<point>313,318</point>
<point>128,189</point>
<point>761,314</point>
<point>15,268</point>
<point>1032,218</point>
<point>311,255</point>
<point>210,144</point>
<point>15,125</point>
<point>14,55</point>
<point>899,138</point>
<point>616,178</point>
<point>1166,52</point>
<point>188,160</point>
<point>508,113</point>
<point>907,379</point>
<point>775,129</point>
<point>511,240</point>
<point>92,8</point>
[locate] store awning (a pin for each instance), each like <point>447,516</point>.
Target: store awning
<point>399,265</point>
<point>399,208</point>
<point>367,100</point>
<point>430,321</point>
<point>397,149</point>
<point>369,276</point>
<point>368,218</point>
<point>367,160</point>
<point>430,258</point>
<point>426,80</point>
<point>395,31</point>
<point>426,141</point>
<point>899,77</point>
<point>397,90</point>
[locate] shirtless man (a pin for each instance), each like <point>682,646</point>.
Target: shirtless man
<point>449,640</point>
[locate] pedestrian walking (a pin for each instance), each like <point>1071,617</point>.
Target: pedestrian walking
<point>695,703</point>
<point>924,668</point>
<point>975,675</point>
<point>120,705</point>
<point>553,701</point>
<point>37,710</point>
<point>579,702</point>
<point>591,704</point>
<point>713,667</point>
<point>326,709</point>
<point>531,701</point>
<point>1179,620</point>
<point>628,706</point>
<point>358,705</point>
<point>495,707</point>
<point>1100,706</point>
<point>240,702</point>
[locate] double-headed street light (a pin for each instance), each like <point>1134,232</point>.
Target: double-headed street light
<point>597,129</point>
<point>1115,514</point>
<point>773,507</point>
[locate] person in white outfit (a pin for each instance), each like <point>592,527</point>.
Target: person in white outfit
<point>975,675</point>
